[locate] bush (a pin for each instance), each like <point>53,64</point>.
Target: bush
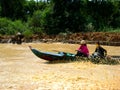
<point>36,30</point>
<point>35,21</point>
<point>28,33</point>
<point>8,27</point>
<point>4,22</point>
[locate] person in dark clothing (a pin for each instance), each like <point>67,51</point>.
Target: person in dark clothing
<point>99,51</point>
<point>17,38</point>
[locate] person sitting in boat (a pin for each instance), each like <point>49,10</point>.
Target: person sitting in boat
<point>99,51</point>
<point>83,49</point>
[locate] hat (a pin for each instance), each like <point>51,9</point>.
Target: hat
<point>83,42</point>
<point>18,33</point>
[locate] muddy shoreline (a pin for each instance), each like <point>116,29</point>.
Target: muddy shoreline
<point>106,38</point>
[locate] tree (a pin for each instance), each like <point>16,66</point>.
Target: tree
<point>13,9</point>
<point>67,15</point>
<point>101,12</point>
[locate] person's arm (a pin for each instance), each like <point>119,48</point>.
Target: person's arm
<point>79,49</point>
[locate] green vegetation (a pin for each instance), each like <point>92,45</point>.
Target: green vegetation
<point>59,16</point>
<point>8,27</point>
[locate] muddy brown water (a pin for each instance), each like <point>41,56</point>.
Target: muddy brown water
<point>20,69</point>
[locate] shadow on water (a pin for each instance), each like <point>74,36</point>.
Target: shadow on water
<point>65,61</point>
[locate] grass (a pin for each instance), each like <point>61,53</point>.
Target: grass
<point>116,30</point>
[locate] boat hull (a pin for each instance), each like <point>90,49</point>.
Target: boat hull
<point>52,56</point>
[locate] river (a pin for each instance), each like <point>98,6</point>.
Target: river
<point>20,69</point>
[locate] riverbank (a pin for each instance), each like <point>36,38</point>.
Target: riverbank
<point>105,38</point>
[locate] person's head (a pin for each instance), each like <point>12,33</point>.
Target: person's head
<point>83,42</point>
<point>97,44</point>
<point>18,33</point>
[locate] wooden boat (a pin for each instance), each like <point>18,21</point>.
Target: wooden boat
<point>66,56</point>
<point>50,56</point>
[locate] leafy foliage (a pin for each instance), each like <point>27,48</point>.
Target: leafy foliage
<point>56,16</point>
<point>13,9</point>
<point>8,27</point>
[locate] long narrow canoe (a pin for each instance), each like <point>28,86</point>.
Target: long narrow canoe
<point>49,56</point>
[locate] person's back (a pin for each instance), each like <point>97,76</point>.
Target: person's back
<point>19,37</point>
<point>100,51</point>
<point>83,50</point>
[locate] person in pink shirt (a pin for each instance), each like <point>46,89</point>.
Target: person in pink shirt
<point>83,49</point>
